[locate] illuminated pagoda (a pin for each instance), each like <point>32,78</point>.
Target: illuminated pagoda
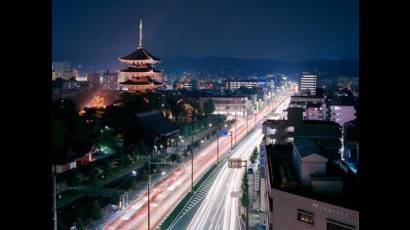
<point>140,74</point>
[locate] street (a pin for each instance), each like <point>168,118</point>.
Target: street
<point>220,210</point>
<point>165,194</point>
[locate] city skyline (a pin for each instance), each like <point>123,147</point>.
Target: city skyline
<point>297,31</point>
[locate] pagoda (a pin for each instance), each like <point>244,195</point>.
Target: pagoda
<point>140,74</point>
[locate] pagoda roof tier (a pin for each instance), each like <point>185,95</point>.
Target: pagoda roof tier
<point>139,82</point>
<point>140,56</point>
<point>139,70</point>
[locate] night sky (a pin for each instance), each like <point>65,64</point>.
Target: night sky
<point>97,32</point>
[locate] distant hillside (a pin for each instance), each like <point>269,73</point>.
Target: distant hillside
<point>256,66</point>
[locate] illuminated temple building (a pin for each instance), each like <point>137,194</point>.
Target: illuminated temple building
<point>140,74</point>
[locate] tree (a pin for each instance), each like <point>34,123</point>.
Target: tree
<point>245,190</point>
<point>96,211</point>
<point>79,224</point>
<point>209,107</point>
<point>73,180</point>
<point>254,155</point>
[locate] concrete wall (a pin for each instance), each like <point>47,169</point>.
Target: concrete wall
<point>309,168</point>
<point>342,114</point>
<point>285,209</point>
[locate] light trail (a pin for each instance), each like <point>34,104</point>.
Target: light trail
<point>178,181</point>
<point>219,210</point>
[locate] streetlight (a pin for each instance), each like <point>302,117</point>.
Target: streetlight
<point>134,173</point>
<point>235,128</point>
<point>231,134</point>
<point>217,147</point>
<point>54,198</point>
<point>192,163</point>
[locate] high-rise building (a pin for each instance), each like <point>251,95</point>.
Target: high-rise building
<point>62,70</point>
<point>140,74</point>
<point>110,80</point>
<point>237,84</point>
<point>75,73</point>
<point>94,78</point>
<point>307,84</point>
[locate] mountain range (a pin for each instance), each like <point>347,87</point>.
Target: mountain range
<point>257,66</point>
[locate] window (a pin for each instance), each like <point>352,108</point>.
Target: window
<point>305,217</point>
<point>270,204</point>
<point>335,225</point>
<point>271,131</point>
<point>72,165</point>
<point>273,141</point>
<point>291,129</point>
<point>290,139</point>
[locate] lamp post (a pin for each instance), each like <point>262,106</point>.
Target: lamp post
<point>54,199</point>
<point>192,163</point>
<point>134,173</point>
<point>217,148</point>
<point>235,128</point>
<point>149,184</point>
<point>231,134</point>
<point>247,118</point>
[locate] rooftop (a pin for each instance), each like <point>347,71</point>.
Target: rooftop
<point>283,176</point>
<point>306,147</point>
<point>141,70</point>
<point>156,124</point>
<point>139,54</point>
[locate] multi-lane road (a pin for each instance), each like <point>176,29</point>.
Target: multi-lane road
<point>219,209</point>
<point>166,193</point>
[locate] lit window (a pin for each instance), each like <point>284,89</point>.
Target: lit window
<point>291,129</point>
<point>271,131</point>
<point>305,217</point>
<point>72,165</point>
<point>290,139</point>
<point>273,141</point>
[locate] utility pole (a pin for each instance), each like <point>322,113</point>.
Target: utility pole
<point>54,199</point>
<point>149,184</point>
<point>247,205</point>
<point>247,118</point>
<point>192,163</point>
<point>236,121</point>
<point>217,148</point>
<point>230,134</point>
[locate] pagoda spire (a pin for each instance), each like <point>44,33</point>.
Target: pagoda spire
<point>140,38</point>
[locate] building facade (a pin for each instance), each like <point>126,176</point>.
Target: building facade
<point>307,85</point>
<point>62,70</point>
<point>314,107</point>
<point>110,80</point>
<point>230,106</point>
<point>234,85</point>
<point>342,113</point>
<point>305,196</point>
<point>94,78</point>
<point>327,133</point>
